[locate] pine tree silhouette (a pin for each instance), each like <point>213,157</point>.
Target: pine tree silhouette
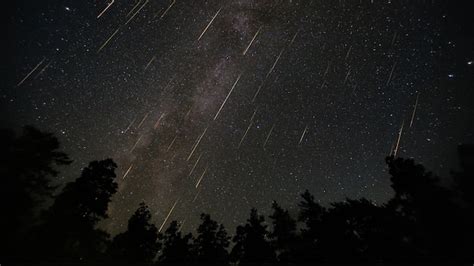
<point>283,234</point>
<point>251,245</point>
<point>311,214</point>
<point>211,242</point>
<point>176,247</point>
<point>423,222</point>
<point>139,243</point>
<point>27,165</point>
<point>434,219</point>
<point>70,224</point>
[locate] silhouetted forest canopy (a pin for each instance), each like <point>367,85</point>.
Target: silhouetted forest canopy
<point>423,222</point>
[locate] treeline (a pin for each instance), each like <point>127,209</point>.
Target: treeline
<point>423,222</point>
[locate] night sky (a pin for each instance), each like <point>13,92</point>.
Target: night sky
<point>220,106</point>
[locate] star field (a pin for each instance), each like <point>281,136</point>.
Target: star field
<point>220,106</point>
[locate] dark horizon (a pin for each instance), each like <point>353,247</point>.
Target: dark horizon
<point>424,222</point>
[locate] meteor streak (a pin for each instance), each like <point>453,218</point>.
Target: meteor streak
<point>135,6</point>
<point>197,143</point>
<point>181,225</point>
<point>196,196</point>
<point>151,61</point>
<point>347,76</point>
<point>268,136</point>
<point>136,143</point>
<point>248,128</point>
<point>202,176</point>
<point>208,25</point>
<point>105,9</point>
<point>166,11</point>
<point>158,121</point>
<point>253,39</point>
<point>108,40</point>
<point>195,164</point>
<point>293,39</point>
<point>348,52</point>
<point>128,171</point>
<point>168,216</point>
<point>394,37</point>
<point>302,135</point>
<point>31,72</point>
<point>327,70</point>
<point>268,74</point>
<point>227,97</point>
<point>397,146</point>
<point>391,73</point>
<point>414,110</point>
<point>143,120</point>
<point>134,14</point>
<point>130,125</point>
<point>172,142</point>
<point>275,63</point>
<point>43,69</point>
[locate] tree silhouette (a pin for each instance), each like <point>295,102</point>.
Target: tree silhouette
<point>251,245</point>
<point>211,242</point>
<point>464,180</point>
<point>423,222</point>
<point>283,234</point>
<point>139,243</point>
<point>434,216</point>
<point>311,214</point>
<point>70,223</point>
<point>176,247</point>
<point>27,165</point>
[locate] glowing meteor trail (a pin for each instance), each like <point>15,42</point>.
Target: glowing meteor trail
<point>158,121</point>
<point>394,38</point>
<point>196,196</point>
<point>391,73</point>
<point>414,111</point>
<point>194,166</point>
<point>143,120</point>
<point>268,74</point>
<point>105,9</point>
<point>293,39</point>
<point>227,97</point>
<point>196,144</point>
<point>136,143</point>
<point>248,128</point>
<point>397,146</point>
<point>130,125</point>
<point>108,40</point>
<point>268,136</point>
<point>181,225</point>
<point>253,39</point>
<point>31,72</point>
<point>302,135</point>
<point>208,25</point>
<point>138,10</point>
<point>168,216</point>
<point>347,76</point>
<point>348,52</point>
<point>166,11</point>
<point>133,9</point>
<point>43,69</point>
<point>151,61</point>
<point>128,171</point>
<point>201,177</point>
<point>276,62</point>
<point>327,70</point>
<point>172,142</point>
